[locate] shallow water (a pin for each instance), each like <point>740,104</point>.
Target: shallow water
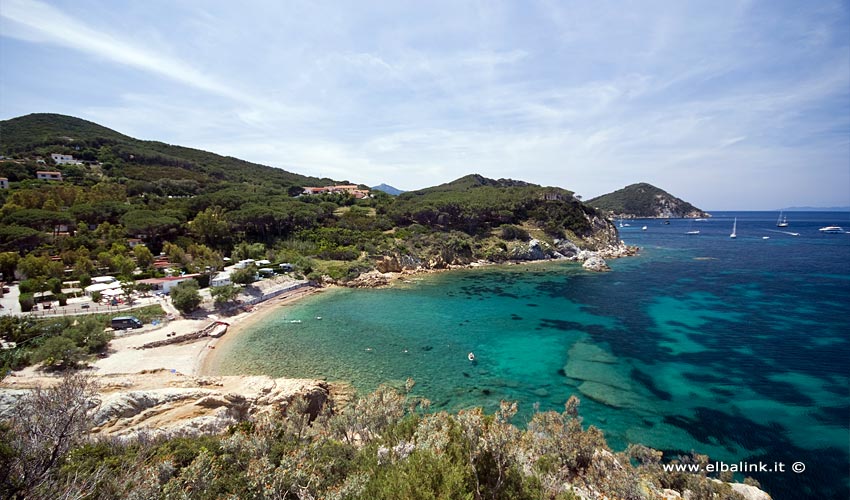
<point>734,348</point>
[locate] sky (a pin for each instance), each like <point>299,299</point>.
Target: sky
<point>725,104</point>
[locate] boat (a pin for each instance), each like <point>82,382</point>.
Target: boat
<point>831,230</point>
<point>765,237</point>
<point>470,356</point>
<point>782,221</point>
<point>692,233</point>
<point>667,222</point>
<point>734,229</point>
<point>643,228</point>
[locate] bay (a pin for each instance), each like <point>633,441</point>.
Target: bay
<point>735,348</point>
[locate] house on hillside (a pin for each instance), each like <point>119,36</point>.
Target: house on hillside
<point>4,183</point>
<point>351,189</point>
<point>46,175</point>
<point>60,159</point>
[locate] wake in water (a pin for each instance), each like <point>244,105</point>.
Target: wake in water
<point>783,232</point>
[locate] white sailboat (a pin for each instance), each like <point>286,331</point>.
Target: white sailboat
<point>782,221</point>
<point>734,229</point>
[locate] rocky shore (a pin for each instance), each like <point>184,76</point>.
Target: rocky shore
<point>164,403</point>
<point>395,267</point>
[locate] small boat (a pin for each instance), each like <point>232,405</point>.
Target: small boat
<point>666,222</point>
<point>782,221</point>
<point>831,230</point>
<point>470,356</point>
<point>692,233</point>
<point>734,229</point>
<point>295,321</point>
<point>765,237</point>
<point>643,228</point>
<point>319,318</point>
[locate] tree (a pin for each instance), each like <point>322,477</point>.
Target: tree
<point>185,296</point>
<point>128,287</point>
<point>144,257</point>
<point>58,351</point>
<point>244,276</point>
<point>8,263</point>
<point>44,426</point>
<point>224,294</point>
<point>33,266</point>
<point>211,227</point>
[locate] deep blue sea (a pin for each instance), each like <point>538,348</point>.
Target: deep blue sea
<point>738,349</point>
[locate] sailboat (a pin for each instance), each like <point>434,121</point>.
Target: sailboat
<point>692,233</point>
<point>782,221</point>
<point>734,229</point>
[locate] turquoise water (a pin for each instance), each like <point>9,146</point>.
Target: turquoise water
<point>734,348</point>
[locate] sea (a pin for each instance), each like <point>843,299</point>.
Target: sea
<point>734,348</point>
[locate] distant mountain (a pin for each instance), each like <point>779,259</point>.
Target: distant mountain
<point>387,189</point>
<point>41,134</point>
<point>644,200</point>
<point>816,209</point>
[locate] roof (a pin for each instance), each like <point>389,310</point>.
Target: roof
<point>100,287</point>
<point>156,281</point>
<point>51,172</point>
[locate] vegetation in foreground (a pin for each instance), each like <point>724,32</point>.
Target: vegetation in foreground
<point>384,446</point>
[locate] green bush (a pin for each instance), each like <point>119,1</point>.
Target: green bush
<point>185,296</point>
<point>27,302</point>
<point>58,351</point>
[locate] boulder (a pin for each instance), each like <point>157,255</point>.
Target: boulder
<point>596,263</point>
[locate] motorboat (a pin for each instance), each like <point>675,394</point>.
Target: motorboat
<point>470,356</point>
<point>831,230</point>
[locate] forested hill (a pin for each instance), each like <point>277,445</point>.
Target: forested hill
<point>181,169</point>
<point>644,200</point>
<point>120,199</point>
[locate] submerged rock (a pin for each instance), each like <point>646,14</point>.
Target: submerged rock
<point>596,263</point>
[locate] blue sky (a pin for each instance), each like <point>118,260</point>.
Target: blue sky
<point>729,105</point>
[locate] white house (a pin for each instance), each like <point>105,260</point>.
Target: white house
<point>64,159</point>
<point>242,264</point>
<point>221,279</point>
<point>4,183</point>
<point>45,175</point>
<point>166,284</point>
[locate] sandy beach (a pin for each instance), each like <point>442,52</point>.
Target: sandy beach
<point>205,360</point>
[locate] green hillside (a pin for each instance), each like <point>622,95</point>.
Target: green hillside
<point>198,207</point>
<point>124,157</point>
<point>644,200</point>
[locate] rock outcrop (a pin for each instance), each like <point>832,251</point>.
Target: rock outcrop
<point>162,403</point>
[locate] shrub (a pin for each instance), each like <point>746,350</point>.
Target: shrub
<point>58,351</point>
<point>185,296</point>
<point>27,302</point>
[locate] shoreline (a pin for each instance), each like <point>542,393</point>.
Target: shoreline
<point>205,360</point>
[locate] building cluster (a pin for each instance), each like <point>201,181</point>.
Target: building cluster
<point>351,189</point>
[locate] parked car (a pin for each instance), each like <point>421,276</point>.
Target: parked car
<point>125,322</point>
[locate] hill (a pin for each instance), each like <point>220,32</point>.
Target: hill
<point>645,200</point>
<point>386,188</point>
<point>121,156</point>
<point>198,207</point>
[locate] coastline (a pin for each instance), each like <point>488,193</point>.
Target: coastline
<point>205,361</point>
